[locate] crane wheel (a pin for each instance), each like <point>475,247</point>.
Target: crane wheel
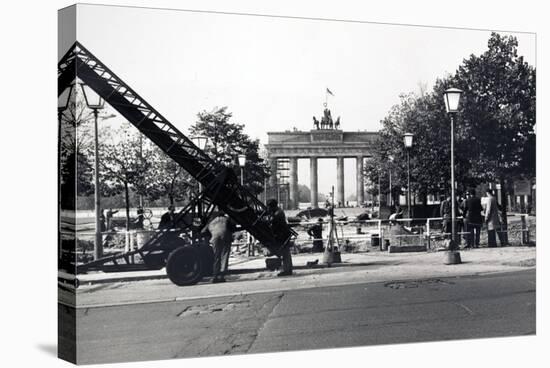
<point>184,266</point>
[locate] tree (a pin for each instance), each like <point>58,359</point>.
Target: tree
<point>121,163</point>
<point>75,151</point>
<point>163,177</point>
<point>494,130</point>
<point>498,110</point>
<point>226,141</point>
<point>423,116</point>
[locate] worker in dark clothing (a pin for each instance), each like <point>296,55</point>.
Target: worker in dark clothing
<point>102,221</point>
<point>221,229</point>
<point>316,232</point>
<point>109,219</point>
<point>473,219</point>
<point>446,211</point>
<point>140,217</point>
<point>281,231</point>
<point>167,220</point>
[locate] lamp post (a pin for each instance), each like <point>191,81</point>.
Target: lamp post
<point>408,140</point>
<point>379,197</point>
<point>201,142</point>
<point>242,162</point>
<point>390,202</point>
<point>96,103</point>
<point>62,104</point>
<point>452,100</point>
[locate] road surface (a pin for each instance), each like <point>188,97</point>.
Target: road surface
<point>323,317</point>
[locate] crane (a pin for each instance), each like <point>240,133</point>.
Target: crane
<point>186,262</point>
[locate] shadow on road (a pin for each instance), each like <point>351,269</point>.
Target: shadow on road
<point>317,266</point>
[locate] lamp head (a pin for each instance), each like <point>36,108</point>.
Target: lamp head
<point>452,99</point>
<point>93,100</point>
<point>242,160</point>
<point>408,139</point>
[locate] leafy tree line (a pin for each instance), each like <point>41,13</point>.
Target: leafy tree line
<point>494,129</point>
<point>131,166</point>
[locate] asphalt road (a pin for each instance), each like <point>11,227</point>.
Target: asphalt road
<point>361,314</point>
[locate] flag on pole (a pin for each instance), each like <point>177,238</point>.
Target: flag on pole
<point>329,92</point>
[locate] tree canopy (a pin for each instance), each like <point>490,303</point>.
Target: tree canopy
<point>494,129</point>
<point>226,141</point>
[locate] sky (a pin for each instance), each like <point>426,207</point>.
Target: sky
<point>273,72</point>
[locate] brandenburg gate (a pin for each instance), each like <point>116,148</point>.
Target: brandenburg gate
<point>324,142</point>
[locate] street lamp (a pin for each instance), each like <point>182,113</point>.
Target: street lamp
<point>96,103</point>
<point>200,142</point>
<point>242,162</point>
<point>452,100</point>
<point>408,140</point>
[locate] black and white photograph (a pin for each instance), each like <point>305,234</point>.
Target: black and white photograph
<point>258,184</point>
<point>235,184</point>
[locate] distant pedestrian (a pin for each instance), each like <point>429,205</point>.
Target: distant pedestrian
<point>316,232</point>
<point>282,234</point>
<point>221,229</point>
<point>472,219</point>
<point>167,220</point>
<point>445,211</point>
<point>492,219</point>
<point>396,215</point>
<point>102,225</point>
<point>140,218</point>
<point>109,219</point>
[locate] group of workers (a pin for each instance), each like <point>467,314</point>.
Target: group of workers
<point>474,217</point>
<point>220,229</point>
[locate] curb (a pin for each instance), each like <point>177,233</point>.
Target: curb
<point>128,278</point>
<point>272,290</point>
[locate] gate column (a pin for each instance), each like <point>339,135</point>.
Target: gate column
<point>293,183</point>
<point>340,181</point>
<point>360,182</point>
<point>272,190</point>
<point>313,182</point>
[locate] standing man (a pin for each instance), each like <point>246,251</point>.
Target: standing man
<point>492,219</point>
<point>281,231</point>
<point>109,218</point>
<point>221,229</point>
<point>472,219</point>
<point>445,211</point>
<point>140,218</point>
<point>102,221</point>
<point>316,232</point>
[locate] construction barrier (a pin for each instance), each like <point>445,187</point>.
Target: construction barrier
<point>351,236</point>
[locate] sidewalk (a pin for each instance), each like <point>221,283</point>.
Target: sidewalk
<point>250,276</point>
